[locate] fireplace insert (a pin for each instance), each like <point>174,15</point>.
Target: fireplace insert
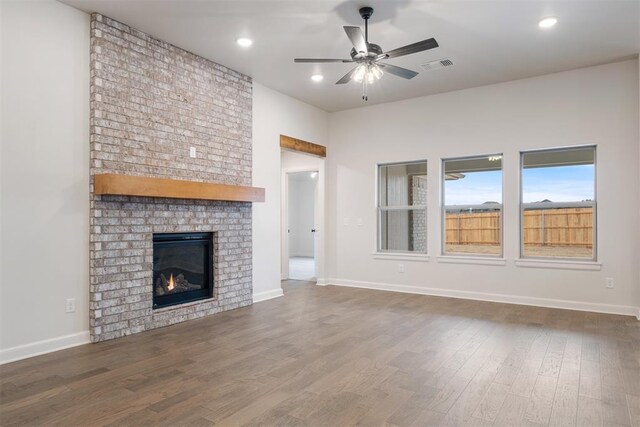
<point>182,268</point>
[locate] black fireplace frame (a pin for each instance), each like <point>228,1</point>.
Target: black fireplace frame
<point>178,239</point>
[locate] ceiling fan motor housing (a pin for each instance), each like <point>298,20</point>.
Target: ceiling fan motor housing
<point>373,49</point>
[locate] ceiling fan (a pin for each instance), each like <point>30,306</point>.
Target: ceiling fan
<point>368,56</point>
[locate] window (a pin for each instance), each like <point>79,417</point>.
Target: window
<point>402,207</point>
<point>558,203</point>
<point>472,206</point>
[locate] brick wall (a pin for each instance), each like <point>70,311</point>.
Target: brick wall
<point>418,223</point>
<point>151,102</point>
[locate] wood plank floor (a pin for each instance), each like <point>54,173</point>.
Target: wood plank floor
<point>337,356</point>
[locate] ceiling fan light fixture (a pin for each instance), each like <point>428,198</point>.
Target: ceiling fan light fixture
<point>368,72</point>
<point>360,73</point>
<point>376,71</point>
<point>370,78</point>
<point>548,22</point>
<point>244,41</point>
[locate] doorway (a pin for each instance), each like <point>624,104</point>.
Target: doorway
<point>302,223</point>
<point>302,217</point>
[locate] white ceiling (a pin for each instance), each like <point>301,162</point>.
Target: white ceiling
<point>488,41</point>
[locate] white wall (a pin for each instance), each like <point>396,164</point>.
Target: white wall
<point>1,180</point>
<point>44,229</point>
<point>596,105</point>
<point>302,195</point>
<point>297,161</point>
<point>275,114</point>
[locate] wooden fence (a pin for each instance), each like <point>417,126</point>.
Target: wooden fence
<point>550,227</point>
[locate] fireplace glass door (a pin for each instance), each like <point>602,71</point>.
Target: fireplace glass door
<point>182,268</point>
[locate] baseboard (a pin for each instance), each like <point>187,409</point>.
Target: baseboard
<point>267,295</point>
<point>322,282</point>
<point>501,298</point>
<point>42,347</point>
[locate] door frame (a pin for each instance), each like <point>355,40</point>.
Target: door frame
<point>320,223</point>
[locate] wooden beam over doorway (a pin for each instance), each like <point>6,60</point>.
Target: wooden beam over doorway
<point>295,144</point>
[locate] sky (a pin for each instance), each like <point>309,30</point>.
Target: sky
<point>558,184</point>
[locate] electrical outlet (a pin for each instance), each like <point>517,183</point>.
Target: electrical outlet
<point>609,282</point>
<point>359,222</point>
<point>70,306</point>
<point>400,268</point>
<point>192,152</point>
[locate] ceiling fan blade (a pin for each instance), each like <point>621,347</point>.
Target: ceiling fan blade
<point>398,71</point>
<point>321,60</point>
<point>413,48</point>
<point>357,38</point>
<point>347,77</point>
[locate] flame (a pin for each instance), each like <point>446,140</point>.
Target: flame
<point>171,283</point>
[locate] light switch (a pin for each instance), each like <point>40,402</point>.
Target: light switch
<point>192,152</point>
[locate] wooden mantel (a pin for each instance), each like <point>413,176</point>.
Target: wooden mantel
<point>127,185</point>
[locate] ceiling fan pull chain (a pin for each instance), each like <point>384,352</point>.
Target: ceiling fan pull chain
<point>365,96</point>
<point>367,81</point>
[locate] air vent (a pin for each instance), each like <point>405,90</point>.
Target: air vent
<point>434,65</point>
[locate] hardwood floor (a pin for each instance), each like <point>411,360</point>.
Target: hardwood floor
<point>339,356</point>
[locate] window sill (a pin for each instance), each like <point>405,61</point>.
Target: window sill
<point>401,256</point>
<point>471,260</point>
<point>559,264</point>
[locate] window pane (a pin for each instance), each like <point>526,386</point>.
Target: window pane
<point>474,181</point>
<point>473,231</point>
<point>403,230</point>
<point>402,196</point>
<point>473,205</point>
<point>562,233</point>
<point>553,184</point>
<point>403,184</point>
<point>558,195</point>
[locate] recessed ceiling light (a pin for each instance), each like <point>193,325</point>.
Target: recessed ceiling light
<point>317,77</point>
<point>244,42</point>
<point>548,22</point>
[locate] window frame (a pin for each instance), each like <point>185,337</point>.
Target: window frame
<point>593,204</point>
<point>443,212</point>
<point>380,209</point>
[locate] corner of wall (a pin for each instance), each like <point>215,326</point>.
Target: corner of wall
<point>275,114</point>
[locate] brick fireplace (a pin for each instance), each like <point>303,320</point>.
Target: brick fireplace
<point>151,102</point>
